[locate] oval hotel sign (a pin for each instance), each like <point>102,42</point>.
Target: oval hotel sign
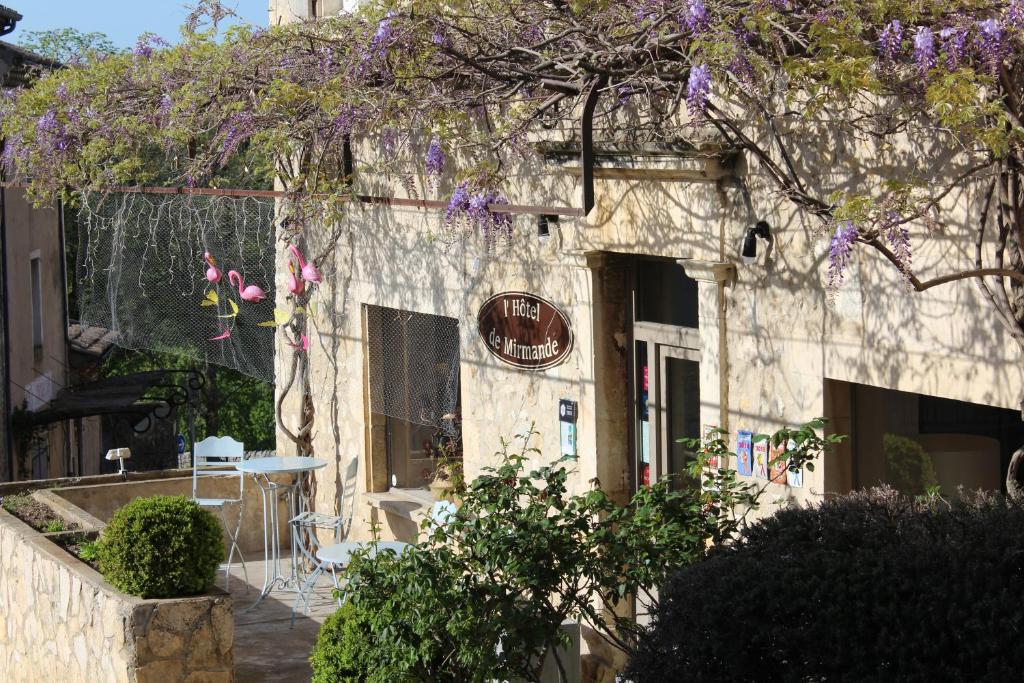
<point>525,330</point>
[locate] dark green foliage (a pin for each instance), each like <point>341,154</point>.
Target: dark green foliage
<point>873,586</point>
<point>521,556</point>
<point>339,655</point>
<point>231,403</point>
<point>67,45</point>
<point>161,547</point>
<point>909,468</point>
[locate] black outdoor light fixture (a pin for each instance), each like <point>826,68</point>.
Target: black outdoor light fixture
<point>544,223</point>
<point>748,252</point>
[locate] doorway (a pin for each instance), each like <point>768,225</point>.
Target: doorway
<point>665,369</point>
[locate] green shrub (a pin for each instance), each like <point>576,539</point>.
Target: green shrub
<point>909,468</point>
<point>521,556</point>
<point>874,586</point>
<point>339,655</point>
<point>161,547</point>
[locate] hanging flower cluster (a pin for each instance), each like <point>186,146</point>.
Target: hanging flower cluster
<point>839,252</point>
<point>490,79</point>
<point>479,207</point>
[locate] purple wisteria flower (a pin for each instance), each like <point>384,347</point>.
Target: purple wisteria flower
<point>954,45</point>
<point>698,88</point>
<point>240,127</point>
<point>345,121</point>
<point>435,160</point>
<point>146,44</point>
<point>48,123</point>
<point>1015,14</point>
<point>389,140</point>
<point>385,34</point>
<point>990,43</point>
<point>11,155</point>
<point>742,69</point>
<point>458,204</point>
<point>890,40</point>
<point>476,209</point>
<point>51,133</point>
<point>924,49</point>
<point>898,238</point>
<point>839,252</point>
<point>696,18</point>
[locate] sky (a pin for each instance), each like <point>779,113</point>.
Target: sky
<point>122,20</point>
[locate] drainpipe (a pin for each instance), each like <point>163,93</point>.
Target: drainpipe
<point>7,336</point>
<point>69,464</point>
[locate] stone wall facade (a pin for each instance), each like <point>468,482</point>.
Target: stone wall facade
<point>63,621</point>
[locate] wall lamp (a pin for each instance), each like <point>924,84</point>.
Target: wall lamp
<point>544,223</point>
<point>760,230</point>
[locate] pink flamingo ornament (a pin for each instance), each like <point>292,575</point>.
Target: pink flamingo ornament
<point>225,333</point>
<point>302,344</point>
<point>213,272</point>
<point>251,293</point>
<point>295,284</point>
<point>310,273</point>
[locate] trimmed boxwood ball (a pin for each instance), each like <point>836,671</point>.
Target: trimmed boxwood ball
<point>340,653</point>
<point>868,587</point>
<point>161,547</point>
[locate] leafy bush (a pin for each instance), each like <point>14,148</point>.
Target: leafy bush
<point>483,597</point>
<point>909,468</point>
<point>874,586</point>
<point>161,547</point>
<point>339,655</point>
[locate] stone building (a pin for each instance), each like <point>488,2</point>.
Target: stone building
<point>670,331</point>
<point>38,360</point>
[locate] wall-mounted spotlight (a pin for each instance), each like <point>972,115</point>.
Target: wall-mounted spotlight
<point>544,223</point>
<point>760,230</point>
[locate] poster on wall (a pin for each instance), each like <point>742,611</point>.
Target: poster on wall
<point>794,478</point>
<point>778,464</point>
<point>744,453</point>
<point>761,459</point>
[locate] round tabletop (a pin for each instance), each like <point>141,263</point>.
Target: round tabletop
<point>280,465</point>
<point>341,553</point>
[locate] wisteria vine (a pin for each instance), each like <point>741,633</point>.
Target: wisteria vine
<point>463,87</point>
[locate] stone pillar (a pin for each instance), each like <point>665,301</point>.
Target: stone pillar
<point>609,296</point>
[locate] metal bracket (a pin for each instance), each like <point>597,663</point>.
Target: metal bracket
<point>587,136</point>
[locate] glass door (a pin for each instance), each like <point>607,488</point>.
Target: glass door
<point>679,408</point>
<point>666,380</point>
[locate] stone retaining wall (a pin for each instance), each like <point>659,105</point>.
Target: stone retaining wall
<point>61,621</point>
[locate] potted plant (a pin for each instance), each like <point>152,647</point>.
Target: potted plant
<point>446,481</point>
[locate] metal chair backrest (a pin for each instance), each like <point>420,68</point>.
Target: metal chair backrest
<point>347,505</point>
<point>217,450</point>
<point>441,514</point>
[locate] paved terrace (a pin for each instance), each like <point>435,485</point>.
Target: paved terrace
<point>266,648</point>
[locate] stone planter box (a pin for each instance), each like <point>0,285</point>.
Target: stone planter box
<point>61,621</point>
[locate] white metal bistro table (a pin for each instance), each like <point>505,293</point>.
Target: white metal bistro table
<point>261,470</point>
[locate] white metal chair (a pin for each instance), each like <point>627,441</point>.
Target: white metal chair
<point>220,451</point>
<point>305,524</point>
<point>338,555</point>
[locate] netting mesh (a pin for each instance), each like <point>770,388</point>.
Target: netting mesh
<point>142,274</point>
<point>414,367</point>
